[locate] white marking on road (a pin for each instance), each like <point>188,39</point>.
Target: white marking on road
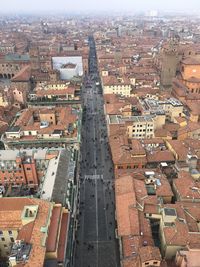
<point>104,193</point>
<point>94,177</point>
<point>96,192</point>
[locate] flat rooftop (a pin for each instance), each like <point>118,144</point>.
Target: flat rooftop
<point>12,154</point>
<point>59,193</point>
<point>50,177</point>
<point>116,119</point>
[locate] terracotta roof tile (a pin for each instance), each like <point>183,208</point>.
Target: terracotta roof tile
<point>126,207</point>
<point>160,156</point>
<point>63,237</point>
<point>184,186</point>
<point>10,218</point>
<point>53,229</point>
<point>148,253</point>
<point>23,75</point>
<point>126,153</point>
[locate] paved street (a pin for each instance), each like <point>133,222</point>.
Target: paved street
<point>96,245</point>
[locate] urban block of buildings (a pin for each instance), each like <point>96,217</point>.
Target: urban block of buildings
<point>44,127</point>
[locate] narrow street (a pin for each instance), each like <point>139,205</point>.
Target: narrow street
<point>96,245</point>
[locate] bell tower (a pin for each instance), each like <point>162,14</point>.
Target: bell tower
<point>34,58</point>
<point>169,62</point>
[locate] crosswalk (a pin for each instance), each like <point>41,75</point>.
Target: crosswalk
<point>94,177</point>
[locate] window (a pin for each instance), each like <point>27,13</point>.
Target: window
<point>155,262</point>
<point>10,232</point>
<point>1,232</point>
<point>28,169</point>
<point>119,167</point>
<point>2,239</point>
<point>12,239</point>
<point>146,263</point>
<point>5,246</point>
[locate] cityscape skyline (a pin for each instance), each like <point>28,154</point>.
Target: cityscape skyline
<point>23,6</point>
<point>99,133</point>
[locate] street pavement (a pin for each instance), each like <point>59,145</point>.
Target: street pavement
<point>96,245</point>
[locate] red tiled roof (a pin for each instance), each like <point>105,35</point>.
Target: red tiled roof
<point>179,148</point>
<point>185,185</point>
<point>149,253</point>
<point>25,232</point>
<point>191,61</point>
<point>127,214</point>
<point>130,262</point>
<point>23,75</point>
<point>125,153</point>
<point>53,229</point>
<point>160,156</point>
<point>63,237</point>
<point>11,218</point>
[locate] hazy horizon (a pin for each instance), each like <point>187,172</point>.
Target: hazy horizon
<point>45,6</point>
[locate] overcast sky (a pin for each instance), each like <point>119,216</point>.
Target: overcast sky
<point>15,6</point>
